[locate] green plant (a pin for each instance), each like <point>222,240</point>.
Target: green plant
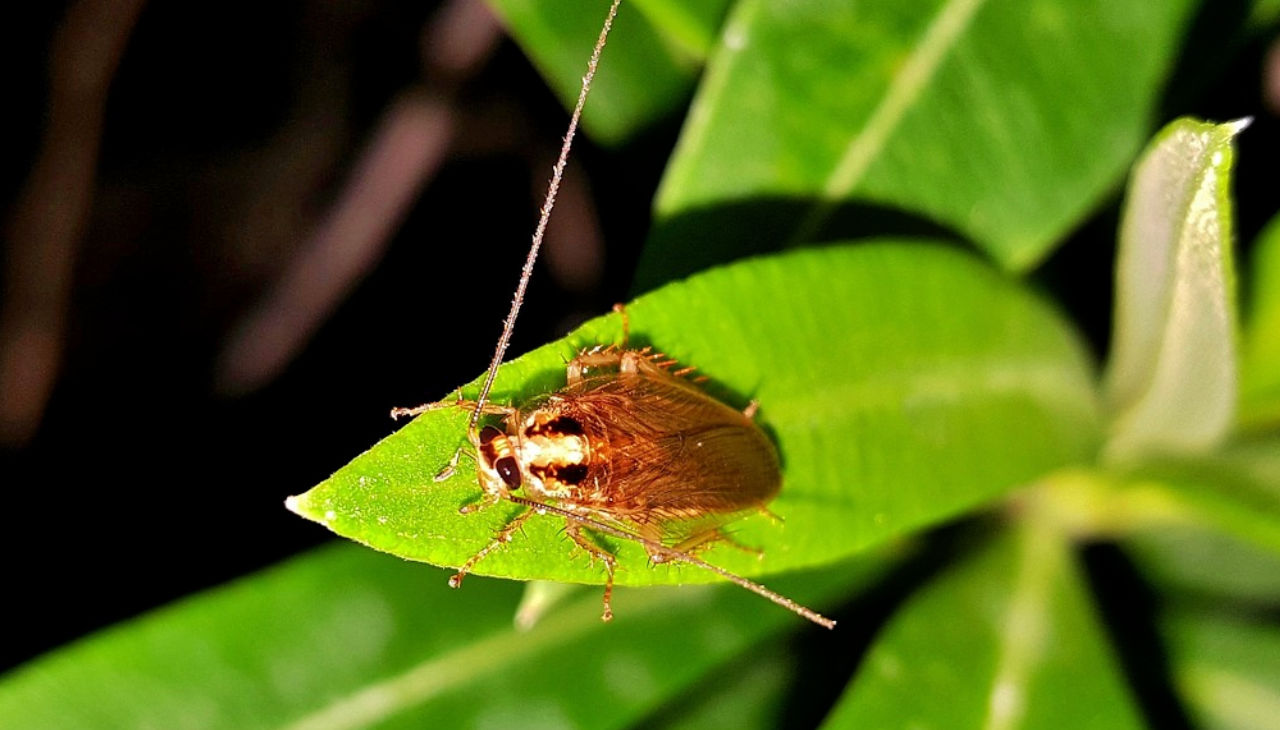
<point>907,382</point>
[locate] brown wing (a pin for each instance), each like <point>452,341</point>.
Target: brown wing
<point>670,452</point>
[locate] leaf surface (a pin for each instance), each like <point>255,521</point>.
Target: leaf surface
<point>1228,668</point>
<point>349,638</point>
<point>903,384</point>
<point>1260,366</point>
<point>1004,121</point>
<point>648,69</point>
<point>1007,639</point>
<point>1171,383</point>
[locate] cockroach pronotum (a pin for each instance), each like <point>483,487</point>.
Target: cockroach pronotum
<point>628,448</point>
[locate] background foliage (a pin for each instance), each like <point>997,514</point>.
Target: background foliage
<point>999,519</point>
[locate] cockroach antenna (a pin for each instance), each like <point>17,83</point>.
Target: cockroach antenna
<point>620,449</point>
<point>557,173</point>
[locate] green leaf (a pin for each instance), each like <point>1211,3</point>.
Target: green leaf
<point>903,384</point>
<point>347,638</point>
<point>749,691</point>
<point>653,58</point>
<point>1003,120</point>
<point>1007,639</point>
<point>1206,564</point>
<point>1228,669</point>
<point>1171,383</point>
<point>1236,490</point>
<point>1260,366</point>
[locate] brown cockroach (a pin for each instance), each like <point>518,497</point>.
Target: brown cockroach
<point>628,448</point>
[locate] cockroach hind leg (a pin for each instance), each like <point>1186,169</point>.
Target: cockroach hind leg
<point>574,531</point>
<point>751,410</point>
<point>621,309</point>
<point>698,542</point>
<point>501,538</point>
<point>774,517</point>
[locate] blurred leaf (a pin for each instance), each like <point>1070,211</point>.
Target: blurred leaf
<point>648,70</point>
<point>1260,366</point>
<point>904,384</point>
<point>1228,669</point>
<point>1171,383</point>
<point>348,638</point>
<point>1265,14</point>
<point>1003,120</point>
<point>748,691</point>
<point>1236,490</point>
<point>1007,639</point>
<point>1202,563</point>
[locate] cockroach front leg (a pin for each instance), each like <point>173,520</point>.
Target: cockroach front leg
<point>489,408</point>
<point>574,531</point>
<point>502,538</point>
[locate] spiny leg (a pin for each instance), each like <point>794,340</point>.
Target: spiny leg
<point>700,541</point>
<point>490,408</point>
<point>621,309</point>
<point>574,531</point>
<point>693,544</point>
<point>503,537</point>
<point>452,466</point>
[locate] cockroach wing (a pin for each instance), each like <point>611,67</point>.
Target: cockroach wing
<point>671,455</point>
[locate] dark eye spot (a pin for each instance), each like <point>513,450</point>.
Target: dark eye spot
<point>572,473</point>
<point>508,470</point>
<point>489,433</point>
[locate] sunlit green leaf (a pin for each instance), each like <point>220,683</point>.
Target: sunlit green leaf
<point>1008,639</point>
<point>1003,120</point>
<point>904,384</point>
<point>648,69</point>
<point>346,638</point>
<point>1227,667</point>
<point>1172,381</point>
<point>1260,369</point>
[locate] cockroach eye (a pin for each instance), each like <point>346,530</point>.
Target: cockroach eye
<point>508,470</point>
<point>489,433</point>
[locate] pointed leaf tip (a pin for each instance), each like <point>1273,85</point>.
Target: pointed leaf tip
<point>1171,382</point>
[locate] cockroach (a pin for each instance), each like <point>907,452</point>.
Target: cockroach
<point>629,448</point>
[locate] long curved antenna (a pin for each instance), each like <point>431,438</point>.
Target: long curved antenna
<point>553,188</point>
<point>673,554</point>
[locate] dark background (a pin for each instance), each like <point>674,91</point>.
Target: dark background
<point>229,131</point>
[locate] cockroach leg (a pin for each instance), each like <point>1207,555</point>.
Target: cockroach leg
<point>621,309</point>
<point>490,408</point>
<point>698,542</point>
<point>751,410</point>
<point>448,469</point>
<point>654,547</point>
<point>590,363</point>
<point>773,516</point>
<point>486,501</point>
<point>502,538</point>
<point>574,531</point>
